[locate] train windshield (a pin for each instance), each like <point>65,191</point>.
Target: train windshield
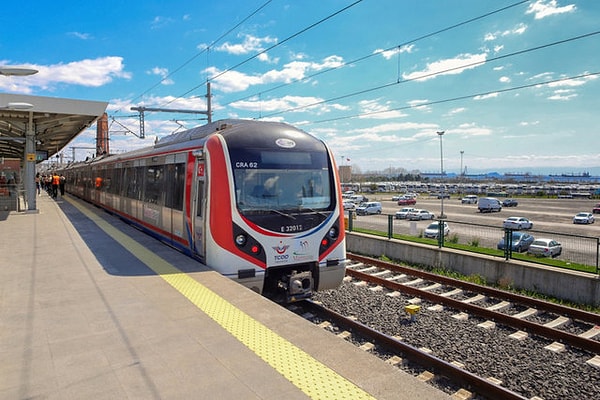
<point>283,182</point>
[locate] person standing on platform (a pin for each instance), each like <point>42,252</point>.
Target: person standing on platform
<point>61,184</point>
<point>37,183</point>
<point>55,183</point>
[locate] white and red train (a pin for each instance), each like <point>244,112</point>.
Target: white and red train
<point>259,202</point>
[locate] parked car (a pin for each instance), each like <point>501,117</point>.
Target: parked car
<point>583,218</point>
<point>406,201</point>
<point>370,207</point>
<point>517,223</point>
<point>520,242</point>
<point>469,199</point>
<point>433,230</point>
<point>596,209</point>
<point>349,205</point>
<point>358,198</point>
<point>489,204</point>
<point>403,213</point>
<point>417,215</point>
<point>510,203</point>
<point>545,248</point>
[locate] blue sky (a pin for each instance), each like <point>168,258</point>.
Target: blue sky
<point>513,84</point>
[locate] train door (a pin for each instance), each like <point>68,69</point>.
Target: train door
<point>198,210</point>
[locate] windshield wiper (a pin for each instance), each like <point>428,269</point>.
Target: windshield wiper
<point>321,213</point>
<point>290,216</point>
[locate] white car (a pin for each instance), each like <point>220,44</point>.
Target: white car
<point>349,205</point>
<point>368,208</point>
<point>417,215</point>
<point>433,230</point>
<point>403,213</point>
<point>583,218</point>
<point>469,199</point>
<point>517,223</point>
<point>545,248</point>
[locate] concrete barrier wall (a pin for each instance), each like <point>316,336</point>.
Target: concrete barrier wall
<point>577,287</point>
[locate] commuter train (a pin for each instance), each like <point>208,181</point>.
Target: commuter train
<point>259,202</point>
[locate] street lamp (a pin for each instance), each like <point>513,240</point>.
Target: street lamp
<point>17,71</point>
<point>440,134</point>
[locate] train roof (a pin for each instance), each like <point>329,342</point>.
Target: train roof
<point>250,126</point>
<point>251,132</point>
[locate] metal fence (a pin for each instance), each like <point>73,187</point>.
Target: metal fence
<point>578,252</point>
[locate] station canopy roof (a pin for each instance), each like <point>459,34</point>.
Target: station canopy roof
<point>56,122</point>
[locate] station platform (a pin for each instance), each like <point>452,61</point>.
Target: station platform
<point>92,308</point>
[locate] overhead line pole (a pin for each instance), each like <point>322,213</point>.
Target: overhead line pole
<point>142,109</point>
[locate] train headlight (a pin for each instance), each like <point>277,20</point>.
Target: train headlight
<point>241,240</point>
<point>333,232</point>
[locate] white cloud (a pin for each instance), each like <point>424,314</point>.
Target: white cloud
<point>563,95</point>
<point>88,73</point>
<point>163,73</point>
<point>249,44</point>
<point>80,35</point>
<point>159,22</point>
<point>486,96</point>
<point>527,123</point>
<point>373,109</point>
<point>469,130</point>
<point>234,81</point>
<point>456,111</point>
<point>545,8</point>
<point>450,66</point>
<point>301,103</point>
<point>573,82</point>
<point>387,54</point>
<point>519,29</point>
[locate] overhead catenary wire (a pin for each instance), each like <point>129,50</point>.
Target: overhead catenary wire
<point>380,52</point>
<point>459,98</point>
<point>279,43</point>
<point>432,74</point>
<point>204,50</point>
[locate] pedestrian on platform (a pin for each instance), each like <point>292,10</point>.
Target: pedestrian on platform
<point>37,183</point>
<point>55,183</point>
<point>61,184</point>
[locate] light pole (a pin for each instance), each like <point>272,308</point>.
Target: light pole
<point>17,71</point>
<point>440,134</point>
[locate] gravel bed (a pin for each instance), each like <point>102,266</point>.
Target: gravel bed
<point>524,367</point>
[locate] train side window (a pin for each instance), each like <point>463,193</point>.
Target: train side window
<point>175,178</point>
<point>135,184</point>
<point>155,184</point>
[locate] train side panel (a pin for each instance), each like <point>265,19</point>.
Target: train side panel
<point>193,192</point>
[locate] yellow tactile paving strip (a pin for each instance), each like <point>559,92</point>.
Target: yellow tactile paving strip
<point>311,376</point>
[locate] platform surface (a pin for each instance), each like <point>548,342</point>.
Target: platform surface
<point>91,308</point>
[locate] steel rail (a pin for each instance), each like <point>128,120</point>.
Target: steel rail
<point>532,327</point>
<point>458,375</point>
<point>573,313</point>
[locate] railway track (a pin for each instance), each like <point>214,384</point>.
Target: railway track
<point>459,376</point>
<point>427,286</point>
<point>486,341</point>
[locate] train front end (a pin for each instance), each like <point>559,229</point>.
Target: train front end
<point>285,235</point>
